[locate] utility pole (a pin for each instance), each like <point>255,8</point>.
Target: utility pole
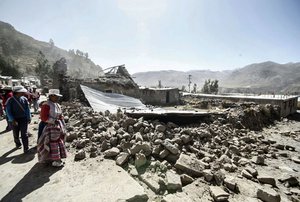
<point>190,77</point>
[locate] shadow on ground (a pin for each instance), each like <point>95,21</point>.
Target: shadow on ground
<point>38,175</point>
<point>4,158</point>
<point>295,116</point>
<point>17,159</point>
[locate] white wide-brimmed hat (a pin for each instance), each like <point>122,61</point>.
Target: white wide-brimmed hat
<point>54,92</point>
<point>19,89</point>
<point>7,88</point>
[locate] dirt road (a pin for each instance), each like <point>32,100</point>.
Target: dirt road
<point>23,179</point>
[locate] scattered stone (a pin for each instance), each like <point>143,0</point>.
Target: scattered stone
<point>296,159</point>
<point>104,146</point>
<point>283,154</point>
<point>140,160</point>
<point>289,180</point>
<point>93,154</point>
<point>79,155</point>
<point>230,167</point>
<point>279,146</point>
<point>190,165</point>
<point>122,158</point>
<point>138,137</point>
<point>164,153</point>
<point>151,180</point>
<point>173,181</point>
<point>113,152</point>
<point>243,162</point>
<point>230,183</point>
<point>290,148</point>
<point>246,174</point>
<point>128,122</point>
<point>252,171</point>
<point>186,138</point>
<point>218,194</point>
<point>186,179</point>
<point>160,128</point>
<point>208,175</point>
<point>71,136</point>
<point>219,177</point>
<point>266,180</point>
<point>268,195</point>
<point>259,160</point>
<point>169,146</point>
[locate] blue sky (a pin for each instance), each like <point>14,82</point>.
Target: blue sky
<point>149,35</point>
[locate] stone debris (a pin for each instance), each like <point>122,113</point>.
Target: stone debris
<point>79,155</point>
<point>246,174</point>
<point>259,160</point>
<point>186,179</point>
<point>151,180</point>
<point>122,158</point>
<point>110,153</point>
<point>173,181</point>
<point>296,159</point>
<point>172,157</point>
<point>218,194</point>
<point>289,180</point>
<point>265,179</point>
<point>140,160</point>
<point>252,171</point>
<point>230,183</point>
<point>190,165</point>
<point>268,195</point>
<point>208,175</point>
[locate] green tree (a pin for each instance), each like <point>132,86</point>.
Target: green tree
<point>51,42</point>
<point>60,66</point>
<point>9,68</point>
<point>205,88</point>
<point>214,88</point>
<point>210,87</point>
<point>43,67</point>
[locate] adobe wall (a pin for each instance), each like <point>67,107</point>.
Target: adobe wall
<point>160,97</point>
<point>287,106</point>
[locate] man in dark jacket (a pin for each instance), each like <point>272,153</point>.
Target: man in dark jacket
<point>18,113</point>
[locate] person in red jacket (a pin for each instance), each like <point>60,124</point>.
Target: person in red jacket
<point>51,143</point>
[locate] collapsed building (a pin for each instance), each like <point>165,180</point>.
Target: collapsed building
<point>287,104</point>
<point>116,80</point>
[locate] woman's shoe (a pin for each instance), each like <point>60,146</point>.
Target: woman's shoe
<point>57,164</point>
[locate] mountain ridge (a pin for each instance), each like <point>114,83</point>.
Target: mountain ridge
<point>266,76</point>
<point>24,50</point>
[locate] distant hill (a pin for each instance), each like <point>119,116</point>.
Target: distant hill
<point>266,77</point>
<point>171,78</point>
<point>23,50</point>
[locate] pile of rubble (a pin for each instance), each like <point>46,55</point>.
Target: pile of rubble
<point>167,157</point>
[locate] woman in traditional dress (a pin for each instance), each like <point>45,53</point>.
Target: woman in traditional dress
<point>51,143</point>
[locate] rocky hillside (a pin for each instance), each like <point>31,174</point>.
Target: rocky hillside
<point>23,50</point>
<point>257,78</point>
